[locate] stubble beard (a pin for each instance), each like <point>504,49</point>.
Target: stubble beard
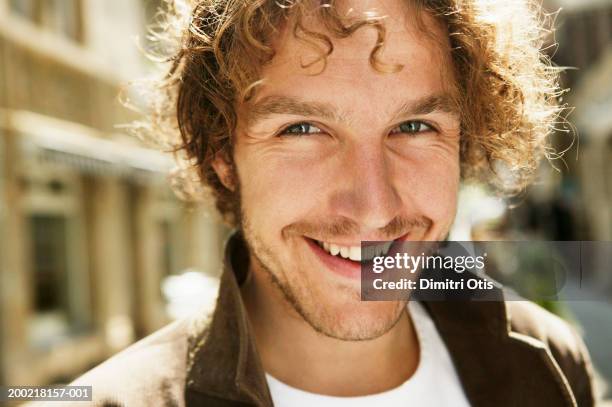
<point>309,304</point>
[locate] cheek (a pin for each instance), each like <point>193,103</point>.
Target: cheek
<point>431,183</point>
<point>277,190</point>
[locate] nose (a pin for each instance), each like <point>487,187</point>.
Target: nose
<point>367,193</point>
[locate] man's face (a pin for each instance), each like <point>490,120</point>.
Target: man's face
<point>348,154</point>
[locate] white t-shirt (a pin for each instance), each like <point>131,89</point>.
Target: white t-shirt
<point>434,383</point>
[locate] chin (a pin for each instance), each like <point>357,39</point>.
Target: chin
<point>354,320</point>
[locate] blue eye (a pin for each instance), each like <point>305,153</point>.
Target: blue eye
<point>300,129</point>
<point>413,127</point>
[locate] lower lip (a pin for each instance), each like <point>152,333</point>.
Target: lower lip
<point>337,265</point>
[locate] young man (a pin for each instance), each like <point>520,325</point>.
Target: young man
<point>321,124</point>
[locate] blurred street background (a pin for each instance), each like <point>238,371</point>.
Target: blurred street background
<point>95,249</point>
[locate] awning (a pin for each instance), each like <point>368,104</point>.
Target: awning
<point>86,149</point>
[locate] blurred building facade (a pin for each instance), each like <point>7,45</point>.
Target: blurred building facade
<point>585,38</point>
<point>584,35</point>
<point>571,199</point>
<point>88,225</point>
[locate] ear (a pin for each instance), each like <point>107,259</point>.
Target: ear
<point>224,171</point>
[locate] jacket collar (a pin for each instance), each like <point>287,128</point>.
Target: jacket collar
<point>222,360</point>
<point>493,364</point>
<point>496,365</point>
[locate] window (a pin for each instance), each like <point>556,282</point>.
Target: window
<point>168,237</point>
<point>28,9</point>
<point>59,16</point>
<point>62,17</point>
<point>58,275</point>
<point>59,289</point>
<point>49,263</point>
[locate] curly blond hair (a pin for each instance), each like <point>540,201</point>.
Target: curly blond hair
<point>508,88</point>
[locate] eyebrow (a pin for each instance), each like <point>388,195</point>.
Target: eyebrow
<point>442,102</point>
<point>271,105</point>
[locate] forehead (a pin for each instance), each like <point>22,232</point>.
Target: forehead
<point>416,42</point>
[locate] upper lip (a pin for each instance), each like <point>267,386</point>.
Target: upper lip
<point>352,242</point>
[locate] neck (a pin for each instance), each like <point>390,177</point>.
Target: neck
<point>294,353</point>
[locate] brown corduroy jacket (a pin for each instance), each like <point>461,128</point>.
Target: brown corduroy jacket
<point>507,353</point>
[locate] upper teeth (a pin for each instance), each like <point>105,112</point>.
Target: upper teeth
<point>354,252</point>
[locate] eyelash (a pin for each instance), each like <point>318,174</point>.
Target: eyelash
<point>427,127</point>
<point>287,131</point>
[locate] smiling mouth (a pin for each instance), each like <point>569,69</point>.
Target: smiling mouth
<point>355,253</point>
